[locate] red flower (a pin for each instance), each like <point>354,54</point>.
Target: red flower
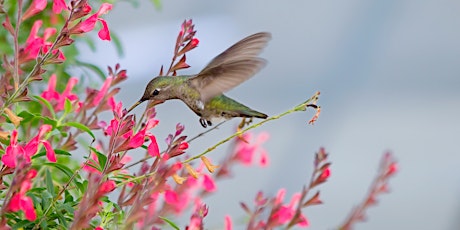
<point>245,150</point>
<point>51,94</point>
<point>286,213</point>
<point>88,24</point>
<point>58,6</point>
<point>36,7</point>
<point>35,43</point>
<point>101,94</point>
<point>13,150</point>
<point>153,148</point>
<point>32,147</point>
<point>280,196</point>
<point>179,202</point>
<point>325,174</point>
<point>208,183</point>
<point>139,138</point>
<point>107,187</point>
<point>392,169</point>
<point>228,223</point>
<point>183,145</point>
<point>19,201</point>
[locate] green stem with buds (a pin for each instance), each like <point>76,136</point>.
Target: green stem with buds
<point>311,102</point>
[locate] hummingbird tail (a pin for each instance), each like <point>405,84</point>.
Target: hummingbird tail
<point>253,113</point>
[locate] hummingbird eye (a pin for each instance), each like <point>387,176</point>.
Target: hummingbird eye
<point>155,92</point>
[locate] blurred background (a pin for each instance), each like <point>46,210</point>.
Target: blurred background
<point>388,73</point>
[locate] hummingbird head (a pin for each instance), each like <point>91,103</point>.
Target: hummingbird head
<point>156,90</point>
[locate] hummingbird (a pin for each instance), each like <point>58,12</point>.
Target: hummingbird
<point>203,92</point>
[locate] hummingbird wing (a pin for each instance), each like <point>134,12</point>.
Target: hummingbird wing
<point>232,67</point>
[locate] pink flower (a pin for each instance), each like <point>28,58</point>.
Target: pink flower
<point>171,197</point>
<point>228,223</point>
<point>104,33</point>
<point>280,196</point>
<point>286,213</point>
<point>195,223</point>
<point>208,183</point>
<point>303,222</point>
<point>153,148</point>
<point>51,95</point>
<point>183,145</point>
<point>12,151</point>
<point>107,187</point>
<point>19,201</point>
<point>194,42</point>
<point>89,24</point>
<point>101,94</point>
<point>179,202</point>
<point>32,147</point>
<point>117,109</point>
<point>138,139</point>
<point>245,150</point>
<point>36,7</point>
<point>325,174</point>
<point>283,215</point>
<point>35,43</point>
<point>58,6</point>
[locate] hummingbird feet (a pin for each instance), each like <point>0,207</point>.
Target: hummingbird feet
<point>244,122</point>
<point>205,123</point>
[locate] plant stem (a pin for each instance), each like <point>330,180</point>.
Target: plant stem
<point>16,47</point>
<point>311,102</point>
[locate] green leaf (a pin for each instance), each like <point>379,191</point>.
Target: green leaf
<point>80,127</point>
<point>62,221</point>
<point>172,224</point>
<point>61,167</point>
<point>93,68</point>
<point>100,157</point>
<point>57,151</point>
<point>67,106</point>
<point>23,224</point>
<point>47,104</point>
<point>49,182</point>
<point>26,116</point>
<point>68,197</point>
<point>68,208</point>
<point>47,199</point>
<point>82,186</point>
<point>29,117</point>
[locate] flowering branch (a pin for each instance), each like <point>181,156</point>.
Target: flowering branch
<point>185,42</point>
<point>48,53</point>
<point>288,215</point>
<point>388,168</point>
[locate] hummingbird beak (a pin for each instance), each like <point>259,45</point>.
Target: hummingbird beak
<point>152,103</point>
<point>134,106</point>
